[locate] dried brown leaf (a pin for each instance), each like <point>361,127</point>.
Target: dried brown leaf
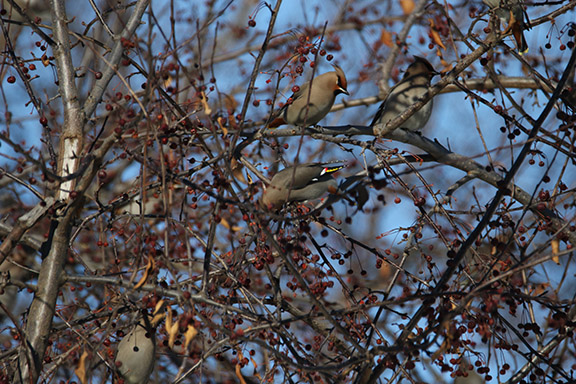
<point>158,316</point>
<point>386,38</point>
<point>407,6</point>
<point>190,334</point>
<point>80,370</point>
<point>555,250</point>
<point>206,107</point>
<point>220,120</point>
<point>239,374</point>
<point>433,33</point>
<point>149,269</point>
<point>171,329</point>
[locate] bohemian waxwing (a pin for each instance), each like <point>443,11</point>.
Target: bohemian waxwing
<point>309,105</point>
<point>512,13</point>
<point>136,355</point>
<point>299,183</point>
<point>408,91</point>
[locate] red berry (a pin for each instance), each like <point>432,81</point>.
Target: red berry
<point>420,201</point>
<point>11,79</point>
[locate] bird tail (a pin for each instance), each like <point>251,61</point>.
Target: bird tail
<point>521,43</point>
<point>276,122</point>
<point>517,27</point>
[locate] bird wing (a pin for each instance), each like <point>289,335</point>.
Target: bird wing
<point>390,98</point>
<point>303,91</point>
<point>380,111</point>
<point>328,171</point>
<point>400,98</point>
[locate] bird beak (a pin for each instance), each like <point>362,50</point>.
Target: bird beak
<point>344,91</point>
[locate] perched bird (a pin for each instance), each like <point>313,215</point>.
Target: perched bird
<point>137,353</point>
<point>299,183</point>
<point>310,104</point>
<point>512,13</point>
<point>408,91</point>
